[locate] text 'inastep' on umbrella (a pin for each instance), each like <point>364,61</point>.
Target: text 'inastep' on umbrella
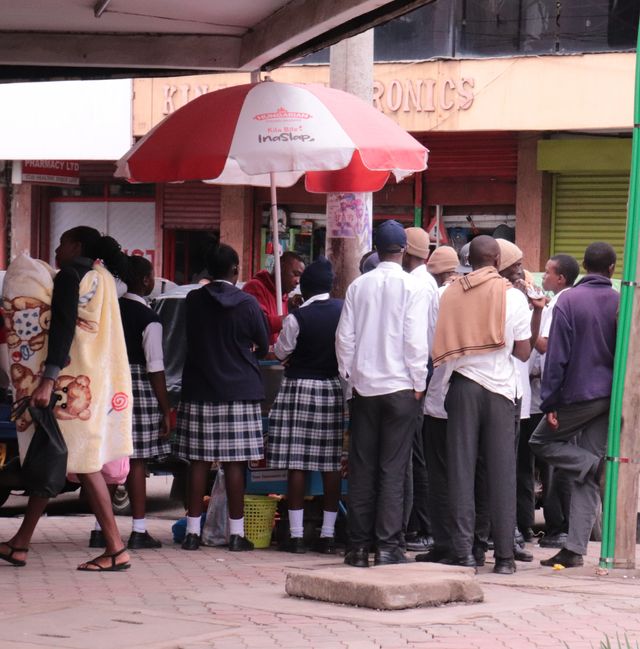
<point>271,134</point>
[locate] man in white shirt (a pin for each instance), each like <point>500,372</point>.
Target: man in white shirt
<point>481,401</point>
<point>382,350</point>
<point>560,274</point>
<point>416,525</point>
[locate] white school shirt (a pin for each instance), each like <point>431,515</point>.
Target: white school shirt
<point>288,337</point>
<point>381,340</point>
<point>425,277</point>
<point>545,323</point>
<point>151,339</point>
<point>496,371</point>
<point>437,390</point>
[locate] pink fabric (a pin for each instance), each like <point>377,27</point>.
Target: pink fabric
<point>114,472</point>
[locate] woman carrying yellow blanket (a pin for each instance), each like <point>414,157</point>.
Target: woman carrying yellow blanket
<point>65,336</point>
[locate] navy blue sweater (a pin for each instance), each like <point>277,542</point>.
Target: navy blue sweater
<point>582,342</point>
<point>315,354</point>
<point>223,325</point>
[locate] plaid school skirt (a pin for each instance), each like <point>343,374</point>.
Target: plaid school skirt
<point>306,425</point>
<point>222,432</point>
<point>147,418</point>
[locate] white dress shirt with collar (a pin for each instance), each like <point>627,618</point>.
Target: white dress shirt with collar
<point>288,337</point>
<point>426,278</point>
<point>151,339</point>
<point>381,340</point>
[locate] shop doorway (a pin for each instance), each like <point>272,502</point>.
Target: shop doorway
<point>185,254</point>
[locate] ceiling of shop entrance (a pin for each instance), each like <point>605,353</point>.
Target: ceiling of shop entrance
<point>48,39</point>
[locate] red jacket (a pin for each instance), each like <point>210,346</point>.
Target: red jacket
<point>263,288</point>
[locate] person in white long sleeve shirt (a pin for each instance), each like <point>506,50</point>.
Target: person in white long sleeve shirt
<point>382,351</point>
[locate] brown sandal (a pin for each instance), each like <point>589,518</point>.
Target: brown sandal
<point>18,563</point>
<point>114,567</point>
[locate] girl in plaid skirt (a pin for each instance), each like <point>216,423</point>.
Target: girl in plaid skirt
<point>307,420</point>
<point>219,415</point>
<point>151,425</point>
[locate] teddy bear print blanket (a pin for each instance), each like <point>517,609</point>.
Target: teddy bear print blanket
<point>94,409</point>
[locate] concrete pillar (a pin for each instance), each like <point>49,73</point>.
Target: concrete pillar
<point>21,210</point>
<point>533,205</point>
<point>351,70</point>
<point>236,224</point>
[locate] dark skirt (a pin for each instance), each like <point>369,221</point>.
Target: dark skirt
<point>306,425</point>
<point>224,432</point>
<point>147,418</point>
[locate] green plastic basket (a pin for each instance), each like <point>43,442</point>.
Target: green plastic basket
<point>259,514</point>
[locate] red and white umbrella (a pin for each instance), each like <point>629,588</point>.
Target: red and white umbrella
<point>271,134</point>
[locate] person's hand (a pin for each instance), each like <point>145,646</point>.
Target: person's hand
<point>552,420</point>
<point>41,396</point>
<point>538,303</point>
<point>344,466</point>
<point>295,301</point>
<point>165,426</point>
<point>418,395</point>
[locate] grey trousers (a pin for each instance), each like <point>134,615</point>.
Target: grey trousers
<point>382,432</point>
<point>585,423</point>
<point>480,421</point>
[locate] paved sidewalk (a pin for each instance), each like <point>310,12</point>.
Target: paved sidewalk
<point>212,599</point>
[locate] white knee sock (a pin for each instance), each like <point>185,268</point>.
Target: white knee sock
<point>139,525</point>
<point>193,524</point>
<point>296,526</point>
<point>236,526</point>
<point>328,523</point>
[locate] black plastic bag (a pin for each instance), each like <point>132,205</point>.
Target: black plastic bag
<point>44,470</point>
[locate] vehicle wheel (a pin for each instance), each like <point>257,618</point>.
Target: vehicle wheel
<point>120,501</point>
<point>4,495</point>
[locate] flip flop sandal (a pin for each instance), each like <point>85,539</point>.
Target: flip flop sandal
<point>18,563</point>
<point>114,567</point>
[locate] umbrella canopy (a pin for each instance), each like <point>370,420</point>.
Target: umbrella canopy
<point>243,134</point>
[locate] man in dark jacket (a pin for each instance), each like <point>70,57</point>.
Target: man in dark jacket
<point>576,392</point>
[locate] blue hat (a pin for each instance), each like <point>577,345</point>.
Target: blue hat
<point>390,237</point>
<point>317,277</point>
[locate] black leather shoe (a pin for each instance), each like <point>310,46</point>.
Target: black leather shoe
<point>294,545</point>
<point>239,543</point>
<point>419,543</point>
<point>191,542</point>
<point>565,558</point>
<point>142,541</point>
<point>468,561</point>
<point>528,534</point>
<point>325,545</point>
<point>435,555</point>
<point>358,558</point>
<point>389,557</point>
<point>97,540</point>
<point>520,553</point>
<point>504,566</point>
<point>479,555</point>
<point>553,540</point>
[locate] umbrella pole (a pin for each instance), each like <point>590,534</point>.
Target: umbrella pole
<point>275,238</point>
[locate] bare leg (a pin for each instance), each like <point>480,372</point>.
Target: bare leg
<point>100,501</point>
<point>331,485</point>
<point>234,482</point>
<point>22,538</point>
<point>137,487</point>
<point>295,489</point>
<point>198,471</point>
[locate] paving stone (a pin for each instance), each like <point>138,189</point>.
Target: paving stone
<point>386,587</point>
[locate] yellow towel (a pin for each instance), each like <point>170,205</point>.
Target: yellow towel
<point>94,413</point>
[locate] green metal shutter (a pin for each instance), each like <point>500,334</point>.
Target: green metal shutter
<point>587,208</point>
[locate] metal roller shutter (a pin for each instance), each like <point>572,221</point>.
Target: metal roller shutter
<point>190,206</point>
<point>587,208</point>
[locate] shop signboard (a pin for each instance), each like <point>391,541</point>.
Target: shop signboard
<point>51,172</point>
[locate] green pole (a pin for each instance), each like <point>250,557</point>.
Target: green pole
<point>609,513</point>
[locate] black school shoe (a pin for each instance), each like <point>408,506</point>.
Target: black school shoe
<point>357,557</point>
<point>97,540</point>
<point>325,545</point>
<point>435,555</point>
<point>293,544</point>
<point>504,566</point>
<point>389,557</point>
<point>239,543</point>
<point>191,542</point>
<point>565,558</point>
<point>553,540</point>
<point>142,541</point>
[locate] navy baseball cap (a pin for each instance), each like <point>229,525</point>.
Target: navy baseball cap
<point>390,237</point>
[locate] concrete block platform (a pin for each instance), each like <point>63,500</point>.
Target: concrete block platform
<point>386,587</point>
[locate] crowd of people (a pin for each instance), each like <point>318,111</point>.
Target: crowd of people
<point>457,379</point>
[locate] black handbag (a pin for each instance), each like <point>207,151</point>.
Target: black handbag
<point>44,470</point>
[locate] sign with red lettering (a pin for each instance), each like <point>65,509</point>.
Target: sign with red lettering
<point>51,172</point>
